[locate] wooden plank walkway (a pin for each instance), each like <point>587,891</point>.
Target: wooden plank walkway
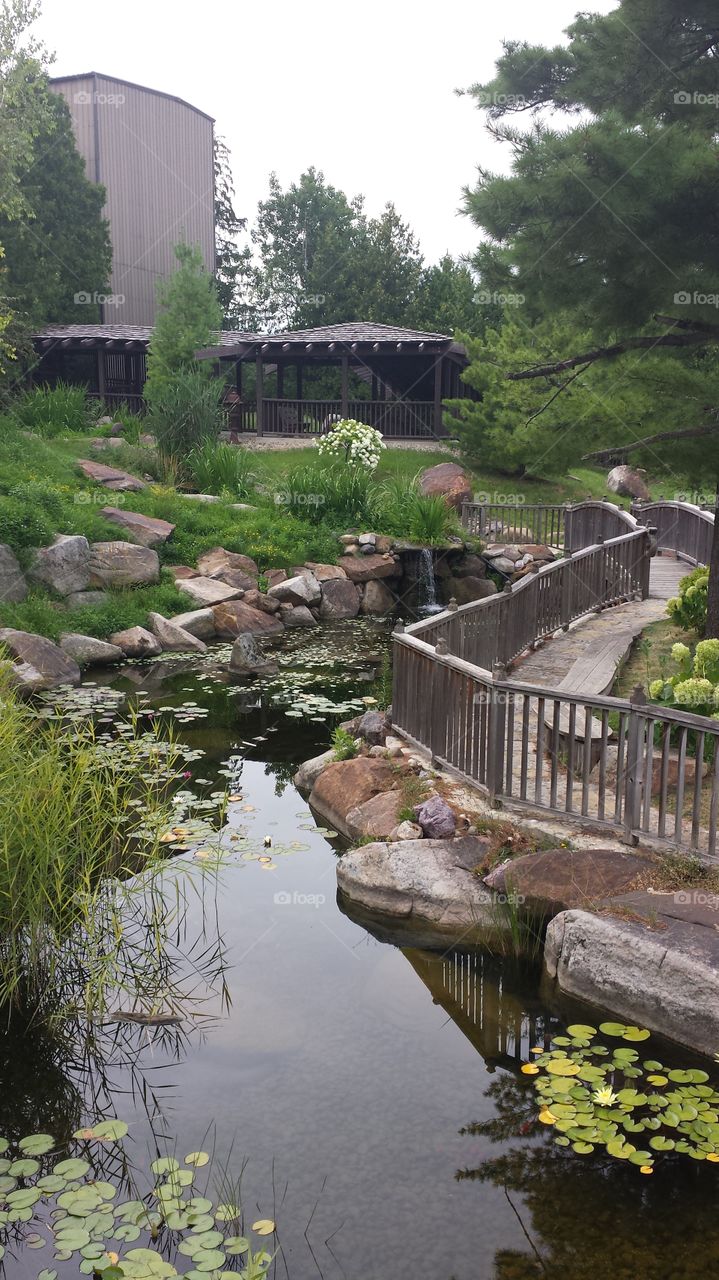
<point>585,658</point>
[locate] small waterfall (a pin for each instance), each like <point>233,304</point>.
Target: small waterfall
<point>427,584</point>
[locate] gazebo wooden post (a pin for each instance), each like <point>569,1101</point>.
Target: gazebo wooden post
<point>238,378</point>
<point>101,372</point>
<point>345,384</point>
<point>259,392</point>
<point>299,381</point>
<point>280,381</point>
<point>438,395</point>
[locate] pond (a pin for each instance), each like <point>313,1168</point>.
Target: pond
<point>369,1094</point>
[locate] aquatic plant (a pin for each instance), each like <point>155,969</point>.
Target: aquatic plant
<point>59,1204</point>
<point>601,1097</point>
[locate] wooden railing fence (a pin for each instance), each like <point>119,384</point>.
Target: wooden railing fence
<point>644,771</point>
<point>681,527</point>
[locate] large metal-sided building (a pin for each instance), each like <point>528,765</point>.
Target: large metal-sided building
<point>153,153</point>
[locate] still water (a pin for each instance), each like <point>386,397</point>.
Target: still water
<point>369,1093</point>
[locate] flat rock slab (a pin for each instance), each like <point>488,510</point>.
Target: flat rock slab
<point>368,568</point>
<point>174,638</point>
<point>216,562</point>
<point>695,906</point>
<point>13,587</point>
<point>199,622</point>
<point>555,879</point>
<point>148,531</point>
<point>423,881</point>
<point>110,477</point>
<point>377,817</point>
<point>666,979</point>
<point>207,591</point>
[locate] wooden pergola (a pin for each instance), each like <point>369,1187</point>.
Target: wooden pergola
<point>394,379</point>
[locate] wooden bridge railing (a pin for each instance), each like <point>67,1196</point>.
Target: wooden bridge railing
<point>568,525</point>
<point>635,768</point>
<point>681,527</point>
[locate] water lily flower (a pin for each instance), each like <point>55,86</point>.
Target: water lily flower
<point>604,1097</point>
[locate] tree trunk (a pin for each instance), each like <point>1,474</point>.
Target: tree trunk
<point>712,629</point>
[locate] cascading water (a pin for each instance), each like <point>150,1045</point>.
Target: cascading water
<point>427,584</point>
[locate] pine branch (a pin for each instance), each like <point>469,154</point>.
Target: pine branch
<point>688,433</point>
<point>616,349</point>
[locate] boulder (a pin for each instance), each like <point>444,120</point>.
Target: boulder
<point>325,572</point>
<point>199,622</point>
<point>406,831</point>
<point>39,664</point>
<point>259,600</point>
<point>346,784</point>
<point>302,589</point>
<point>309,772</point>
<point>207,591</point>
<point>374,726</point>
<point>174,638</point>
<point>367,540</point>
<point>448,479</point>
<point>137,642</point>
<point>236,578</point>
<point>179,571</point>
<point>87,651</point>
<point>502,564</point>
<point>87,599</point>
<point>298,616</point>
<point>436,818</point>
<point>423,882</point>
<point>555,879</point>
<point>110,477</point>
<point>628,483</point>
<point>122,564</point>
<point>273,576</point>
<point>13,587</point>
<point>468,589</point>
<point>468,566</point>
<point>64,566</point>
<point>147,531</point>
<point>377,817</point>
<point>202,497</point>
<point>537,551</point>
<point>368,568</point>
<point>233,617</point>
<point>340,599</point>
<point>215,563</point>
<point>247,659</point>
<point>665,980</point>
<point>378,599</point>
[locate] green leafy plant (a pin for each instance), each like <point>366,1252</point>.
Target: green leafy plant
<point>343,744</point>
<point>601,1097</point>
<point>329,492</point>
<point>689,608</point>
<point>51,1200</point>
<point>217,467</point>
<point>185,411</point>
<point>22,525</point>
<point>53,411</point>
<point>694,686</point>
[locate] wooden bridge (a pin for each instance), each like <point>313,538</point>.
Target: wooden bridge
<point>554,741</point>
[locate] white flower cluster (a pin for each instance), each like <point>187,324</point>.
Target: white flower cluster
<point>355,442</point>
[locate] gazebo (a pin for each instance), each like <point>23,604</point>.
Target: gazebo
<point>394,379</point>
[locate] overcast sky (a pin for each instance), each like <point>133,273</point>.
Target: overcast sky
<point>365,93</point>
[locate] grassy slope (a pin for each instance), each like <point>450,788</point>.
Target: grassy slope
<point>274,537</point>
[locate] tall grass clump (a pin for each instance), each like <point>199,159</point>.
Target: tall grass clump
<point>406,511</point>
<point>184,412</point>
<point>53,411</point>
<point>337,493</point>
<point>79,814</point>
<point>218,467</point>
